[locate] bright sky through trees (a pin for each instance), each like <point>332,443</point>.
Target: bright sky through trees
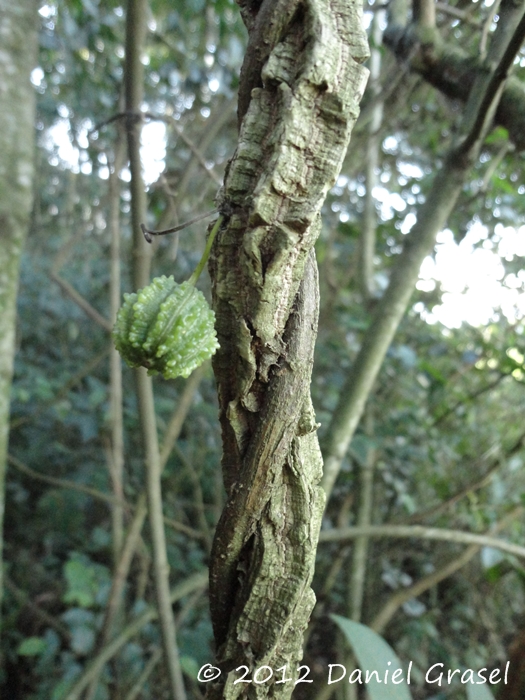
<point>472,276</point>
<point>470,273</point>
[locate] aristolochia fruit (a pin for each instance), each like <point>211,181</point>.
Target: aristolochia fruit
<point>166,327</point>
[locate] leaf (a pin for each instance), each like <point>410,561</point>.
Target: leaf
<point>374,654</point>
<point>32,646</point>
<point>81,624</point>
<point>81,583</point>
<point>498,135</point>
<point>478,692</point>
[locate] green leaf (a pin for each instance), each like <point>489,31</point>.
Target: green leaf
<point>374,654</point>
<point>32,646</point>
<point>81,583</point>
<point>498,135</point>
<point>478,692</point>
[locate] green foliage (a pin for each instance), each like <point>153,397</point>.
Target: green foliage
<point>32,646</point>
<point>87,583</point>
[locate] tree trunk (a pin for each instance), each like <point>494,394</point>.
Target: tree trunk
<point>18,44</point>
<point>142,254</point>
<point>301,83</point>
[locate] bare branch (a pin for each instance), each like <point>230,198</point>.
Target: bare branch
<point>398,599</point>
<point>493,89</point>
<point>420,532</point>
<point>192,583</point>
<point>94,493</point>
<point>148,232</point>
<point>81,302</point>
<point>424,13</point>
<point>42,615</point>
<point>458,14</point>
<point>181,411</point>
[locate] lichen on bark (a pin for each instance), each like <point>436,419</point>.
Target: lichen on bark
<point>300,89</point>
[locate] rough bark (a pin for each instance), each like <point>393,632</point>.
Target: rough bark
<point>18,45</point>
<point>300,89</point>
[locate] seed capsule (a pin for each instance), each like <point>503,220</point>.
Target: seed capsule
<point>166,327</point>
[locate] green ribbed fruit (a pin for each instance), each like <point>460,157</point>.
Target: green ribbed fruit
<point>166,327</point>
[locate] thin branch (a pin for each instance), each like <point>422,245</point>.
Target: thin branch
<point>398,599</point>
<point>94,493</point>
<point>424,13</point>
<point>186,529</point>
<point>367,238</point>
<point>420,532</point>
<point>168,119</point>
<point>193,148</point>
<point>173,48</point>
<point>494,164</point>
<point>178,417</point>
<point>486,28</point>
<point>493,90</point>
<point>446,505</point>
<point>469,398</point>
<point>61,483</point>
<point>137,687</point>
<point>179,227</point>
<point>81,302</point>
<point>134,92</point>
<point>474,486</point>
<point>41,614</point>
<point>110,120</point>
<point>115,451</point>
<point>192,583</point>
<point>458,14</point>
<point>122,570</point>
<point>221,115</point>
<point>117,585</point>
<point>124,564</point>
<point>198,497</point>
<point>364,518</point>
<point>62,392</point>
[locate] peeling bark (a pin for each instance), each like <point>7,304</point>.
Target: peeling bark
<point>300,89</point>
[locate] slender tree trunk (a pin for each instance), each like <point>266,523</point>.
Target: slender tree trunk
<point>116,455</point>
<point>367,238</point>
<point>364,519</point>
<point>301,83</point>
<point>18,47</point>
<point>134,77</point>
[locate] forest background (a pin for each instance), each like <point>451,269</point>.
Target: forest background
<point>436,458</point>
